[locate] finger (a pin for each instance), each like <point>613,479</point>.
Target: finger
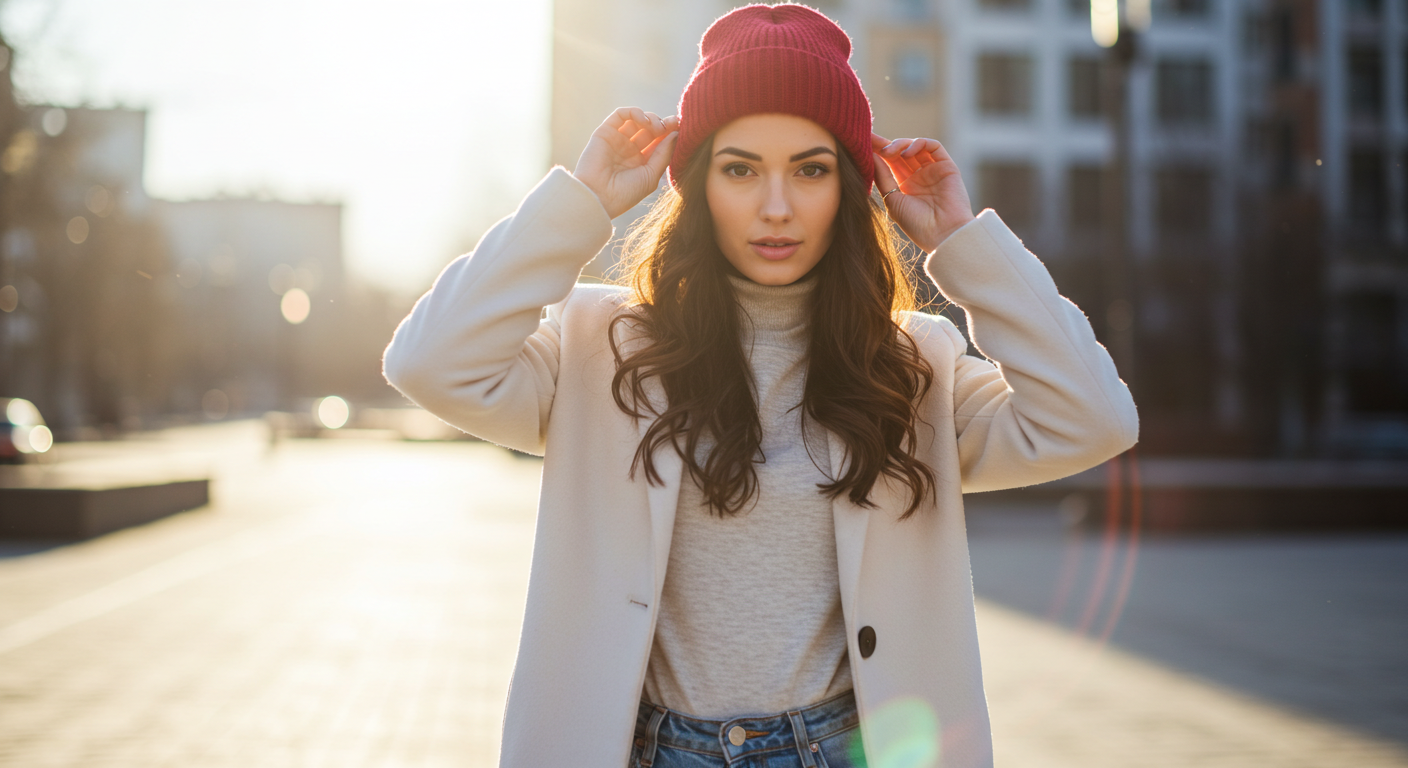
<point>877,141</point>
<point>634,121</point>
<point>884,177</point>
<point>660,155</point>
<point>642,139</point>
<point>622,115</point>
<point>894,148</point>
<point>923,150</point>
<point>918,145</point>
<point>656,124</point>
<point>672,123</point>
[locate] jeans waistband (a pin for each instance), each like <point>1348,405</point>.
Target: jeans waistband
<point>796,729</point>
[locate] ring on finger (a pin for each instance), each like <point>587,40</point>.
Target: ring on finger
<point>887,194</point>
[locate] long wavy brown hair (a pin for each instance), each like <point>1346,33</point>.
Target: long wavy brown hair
<point>865,375</point>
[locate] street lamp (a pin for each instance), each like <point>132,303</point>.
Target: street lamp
<point>1105,19</point>
<point>1119,37</point>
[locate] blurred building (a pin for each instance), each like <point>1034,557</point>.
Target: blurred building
<point>85,325</point>
<point>118,311</point>
<point>253,344</point>
<point>1263,186</point>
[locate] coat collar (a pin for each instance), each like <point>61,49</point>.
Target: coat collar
<point>850,521</point>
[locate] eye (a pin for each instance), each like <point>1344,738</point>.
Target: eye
<point>737,170</point>
<point>813,170</point>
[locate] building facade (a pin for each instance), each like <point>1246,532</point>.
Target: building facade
<point>1259,185</point>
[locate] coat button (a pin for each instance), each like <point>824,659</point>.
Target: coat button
<point>866,640</point>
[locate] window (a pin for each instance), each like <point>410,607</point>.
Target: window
<point>1184,205</point>
<point>1087,187</point>
<point>1005,84</point>
<point>1184,92</point>
<point>1374,379</point>
<point>1010,189</point>
<point>914,72</point>
<point>913,9</point>
<point>1368,191</point>
<point>1083,87</point>
<point>1283,34</point>
<point>1005,5</point>
<point>1183,7</point>
<point>1365,8</point>
<point>1366,68</point>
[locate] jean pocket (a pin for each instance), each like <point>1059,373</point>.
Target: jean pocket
<point>841,750</point>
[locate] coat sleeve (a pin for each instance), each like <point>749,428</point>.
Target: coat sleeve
<point>1050,403</point>
<point>478,350</point>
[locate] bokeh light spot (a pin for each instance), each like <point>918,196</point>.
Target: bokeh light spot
<point>215,404</point>
<point>54,121</point>
<point>332,412</point>
<point>295,305</point>
<point>189,273</point>
<point>77,230</point>
<point>281,279</point>
<point>22,412</point>
<point>97,199</point>
<point>40,439</point>
<point>9,298</point>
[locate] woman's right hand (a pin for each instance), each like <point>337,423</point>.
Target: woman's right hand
<point>626,156</point>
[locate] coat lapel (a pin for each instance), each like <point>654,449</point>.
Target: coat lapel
<point>850,522</point>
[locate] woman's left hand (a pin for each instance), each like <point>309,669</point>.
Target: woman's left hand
<point>931,202</point>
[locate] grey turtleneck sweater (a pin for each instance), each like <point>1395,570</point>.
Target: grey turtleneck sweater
<point>750,618</point>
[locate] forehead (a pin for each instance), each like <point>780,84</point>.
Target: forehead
<point>773,134</point>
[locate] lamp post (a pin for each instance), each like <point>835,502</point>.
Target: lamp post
<point>1118,34</point>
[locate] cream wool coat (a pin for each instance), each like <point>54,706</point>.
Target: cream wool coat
<point>480,351</point>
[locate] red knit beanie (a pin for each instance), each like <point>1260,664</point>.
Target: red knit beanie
<point>775,58</point>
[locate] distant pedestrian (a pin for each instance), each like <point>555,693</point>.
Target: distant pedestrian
<point>750,547</point>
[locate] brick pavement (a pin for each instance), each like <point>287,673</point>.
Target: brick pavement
<point>348,603</point>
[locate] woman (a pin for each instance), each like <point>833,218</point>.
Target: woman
<point>750,546</point>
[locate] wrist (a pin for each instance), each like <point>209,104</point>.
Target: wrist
<point>944,233</point>
<point>597,193</point>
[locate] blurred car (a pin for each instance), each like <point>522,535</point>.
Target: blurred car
<point>23,433</point>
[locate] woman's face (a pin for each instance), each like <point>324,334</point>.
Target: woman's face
<point>773,189</point>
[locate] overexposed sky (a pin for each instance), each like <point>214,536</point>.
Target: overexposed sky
<point>427,118</point>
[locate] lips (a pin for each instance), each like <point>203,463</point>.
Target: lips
<point>775,248</point>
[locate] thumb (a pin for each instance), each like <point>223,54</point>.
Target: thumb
<point>660,157</point>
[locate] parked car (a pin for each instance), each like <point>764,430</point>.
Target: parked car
<point>22,431</point>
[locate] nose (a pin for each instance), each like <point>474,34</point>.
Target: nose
<point>777,202</point>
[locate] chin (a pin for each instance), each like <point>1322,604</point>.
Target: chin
<point>766,272</point>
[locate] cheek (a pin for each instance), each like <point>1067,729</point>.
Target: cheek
<point>729,214</point>
<point>821,212</point>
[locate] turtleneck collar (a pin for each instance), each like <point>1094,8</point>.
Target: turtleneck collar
<point>774,308</point>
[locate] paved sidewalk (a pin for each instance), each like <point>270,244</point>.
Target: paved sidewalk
<point>356,603</point>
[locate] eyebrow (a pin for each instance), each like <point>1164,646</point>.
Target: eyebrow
<point>758,158</point>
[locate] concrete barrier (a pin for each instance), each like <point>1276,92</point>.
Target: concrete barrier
<point>40,502</point>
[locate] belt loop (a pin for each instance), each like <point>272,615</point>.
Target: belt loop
<point>804,745</point>
<point>652,734</point>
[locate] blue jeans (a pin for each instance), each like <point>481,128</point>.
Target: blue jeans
<point>824,735</point>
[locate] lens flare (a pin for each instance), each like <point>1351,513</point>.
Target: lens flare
<point>903,733</point>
